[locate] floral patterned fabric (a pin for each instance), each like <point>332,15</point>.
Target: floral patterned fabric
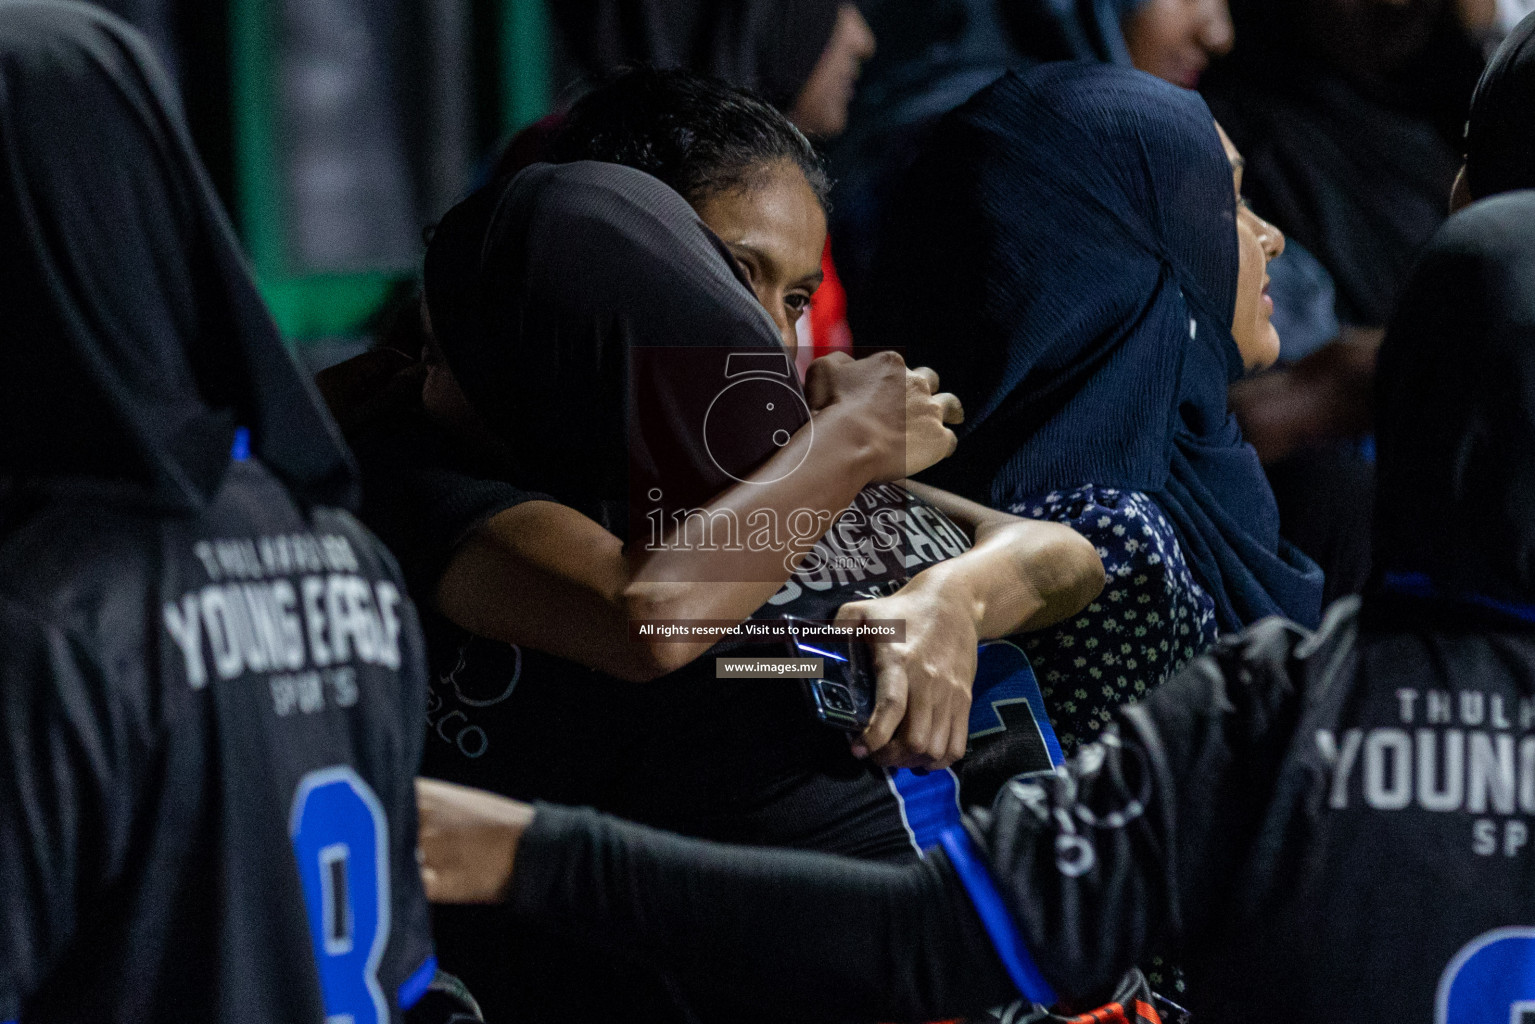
<point>1151,619</point>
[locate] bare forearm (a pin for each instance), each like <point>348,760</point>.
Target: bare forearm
<point>543,575</point>
<point>1020,575</point>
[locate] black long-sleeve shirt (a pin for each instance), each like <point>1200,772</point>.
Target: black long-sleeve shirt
<point>1328,827</point>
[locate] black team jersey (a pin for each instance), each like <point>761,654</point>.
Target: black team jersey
<point>209,727</point>
<point>1322,828</point>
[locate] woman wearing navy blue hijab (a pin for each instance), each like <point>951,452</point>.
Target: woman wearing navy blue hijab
<point>1070,254</point>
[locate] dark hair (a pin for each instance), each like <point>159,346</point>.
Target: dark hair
<point>697,134</point>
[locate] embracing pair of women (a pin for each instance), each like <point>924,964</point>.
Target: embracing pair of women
<point>1078,269</point>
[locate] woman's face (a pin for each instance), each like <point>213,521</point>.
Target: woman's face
<point>821,107</point>
<point>1176,39</point>
<point>1258,241</point>
<point>776,230</point>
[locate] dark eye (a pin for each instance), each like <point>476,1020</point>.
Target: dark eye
<point>746,267</point>
<point>797,303</point>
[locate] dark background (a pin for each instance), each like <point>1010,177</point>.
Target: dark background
<point>336,131</point>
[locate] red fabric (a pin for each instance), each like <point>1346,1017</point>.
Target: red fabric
<point>828,312</point>
<point>530,146</point>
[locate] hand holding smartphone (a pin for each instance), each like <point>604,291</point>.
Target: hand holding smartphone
<point>843,696</point>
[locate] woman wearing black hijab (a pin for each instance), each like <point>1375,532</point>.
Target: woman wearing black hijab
<point>1500,130</point>
<point>800,55</point>
<point>210,684</point>
<point>1348,114</point>
<point>1327,826</point>
<point>1306,421</point>
<point>1070,255</point>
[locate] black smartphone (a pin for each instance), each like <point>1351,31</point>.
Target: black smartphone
<point>843,696</point>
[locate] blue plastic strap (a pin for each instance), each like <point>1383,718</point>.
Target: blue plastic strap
<point>415,986</point>
<point>999,924</point>
<point>241,449</point>
<point>929,803</point>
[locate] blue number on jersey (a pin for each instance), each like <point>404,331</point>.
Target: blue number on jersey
<point>1490,981</point>
<point>340,839</point>
<point>1004,686</point>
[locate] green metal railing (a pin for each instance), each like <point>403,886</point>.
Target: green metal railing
<point>309,307</point>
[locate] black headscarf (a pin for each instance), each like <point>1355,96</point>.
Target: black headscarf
<point>768,46</point>
<point>1355,166</point>
<point>543,287</point>
<point>1455,416</point>
<point>135,340</point>
<point>1064,254</point>
<point>1500,133</point>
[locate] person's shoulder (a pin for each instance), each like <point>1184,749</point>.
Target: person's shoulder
<point>254,504</point>
<point>66,556</point>
<point>1259,671</point>
<point>1278,644</point>
<point>78,583</point>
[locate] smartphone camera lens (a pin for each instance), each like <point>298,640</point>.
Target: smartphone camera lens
<point>837,697</point>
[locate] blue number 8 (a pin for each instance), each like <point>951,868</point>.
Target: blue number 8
<point>340,840</point>
<point>1490,981</point>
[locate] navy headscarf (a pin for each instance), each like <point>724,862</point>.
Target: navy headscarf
<point>1091,30</point>
<point>1064,254</point>
<point>1455,417</point>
